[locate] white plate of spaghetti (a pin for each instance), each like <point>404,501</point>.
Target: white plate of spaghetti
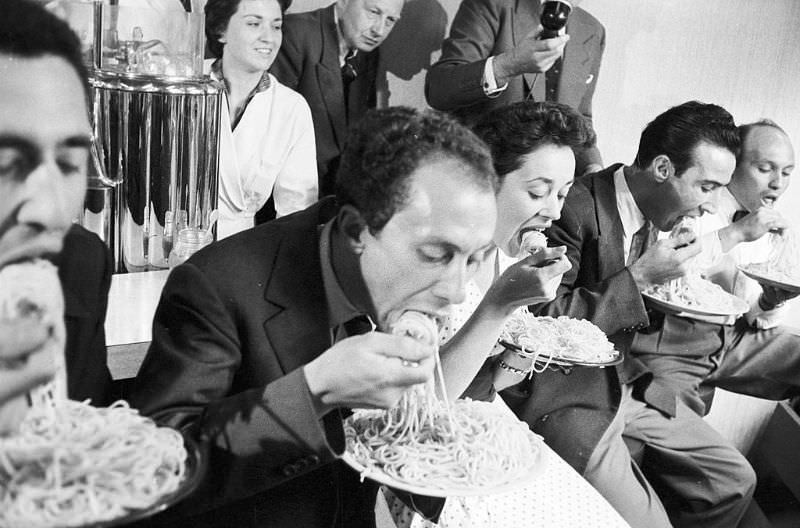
<point>764,273</point>
<point>483,451</point>
<point>562,340</point>
<point>78,465</point>
<point>694,295</point>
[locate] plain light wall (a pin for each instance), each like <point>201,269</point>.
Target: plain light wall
<point>741,54</point>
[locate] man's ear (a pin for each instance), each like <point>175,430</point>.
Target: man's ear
<point>352,225</point>
<point>662,168</point>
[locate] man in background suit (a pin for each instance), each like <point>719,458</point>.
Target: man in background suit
<point>494,57</point>
<point>330,56</point>
<point>686,155</point>
<point>253,343</point>
<point>45,137</point>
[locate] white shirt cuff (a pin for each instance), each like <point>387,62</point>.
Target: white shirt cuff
<point>488,82</point>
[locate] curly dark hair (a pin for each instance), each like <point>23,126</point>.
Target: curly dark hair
<point>512,132</point>
<point>29,30</point>
<point>218,14</point>
<point>676,132</point>
<point>387,146</point>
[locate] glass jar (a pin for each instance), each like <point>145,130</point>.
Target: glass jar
<point>190,240</point>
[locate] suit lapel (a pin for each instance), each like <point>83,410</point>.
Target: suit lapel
<point>609,225</point>
<point>329,76</point>
<point>575,70</point>
<point>297,312</point>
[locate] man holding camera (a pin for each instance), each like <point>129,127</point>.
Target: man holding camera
<point>496,55</point>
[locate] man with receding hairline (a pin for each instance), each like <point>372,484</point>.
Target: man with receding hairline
<point>331,57</point>
<point>751,354</point>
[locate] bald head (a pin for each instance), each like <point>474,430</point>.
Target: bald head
<point>765,164</point>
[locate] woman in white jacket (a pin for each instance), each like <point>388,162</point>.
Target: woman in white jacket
<point>266,132</point>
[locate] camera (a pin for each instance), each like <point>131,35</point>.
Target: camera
<point>554,17</point>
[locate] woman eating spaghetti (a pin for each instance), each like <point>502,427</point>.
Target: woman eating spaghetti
<point>266,133</point>
<point>531,145</point>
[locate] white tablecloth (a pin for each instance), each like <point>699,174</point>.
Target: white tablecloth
<point>558,498</point>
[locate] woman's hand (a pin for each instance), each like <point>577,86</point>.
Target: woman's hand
<point>532,280</point>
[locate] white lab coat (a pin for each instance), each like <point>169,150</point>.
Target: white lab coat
<point>270,152</point>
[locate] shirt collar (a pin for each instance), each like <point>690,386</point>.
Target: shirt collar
<point>340,309</point>
<point>629,213</point>
<point>262,86</point>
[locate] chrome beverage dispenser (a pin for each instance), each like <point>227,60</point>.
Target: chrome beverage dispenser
<point>156,125</point>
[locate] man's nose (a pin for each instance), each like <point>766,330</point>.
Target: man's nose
<point>451,287</point>
<point>778,181</point>
<point>378,28</point>
<point>46,198</point>
<point>708,207</point>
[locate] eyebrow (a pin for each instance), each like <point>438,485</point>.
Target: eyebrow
<point>82,141</point>
<point>26,147</point>
<point>22,143</point>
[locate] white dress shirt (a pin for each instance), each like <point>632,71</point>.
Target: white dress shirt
<point>270,152</point>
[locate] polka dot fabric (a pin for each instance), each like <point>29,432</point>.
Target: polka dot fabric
<point>558,498</point>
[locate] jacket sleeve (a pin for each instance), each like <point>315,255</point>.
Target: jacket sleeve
<point>612,303</point>
<point>455,80</point>
<point>259,437</point>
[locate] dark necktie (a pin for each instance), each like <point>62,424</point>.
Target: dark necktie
<point>349,74</point>
<point>551,77</point>
<point>738,215</point>
<point>639,243</point>
<point>357,326</point>
<point>349,71</point>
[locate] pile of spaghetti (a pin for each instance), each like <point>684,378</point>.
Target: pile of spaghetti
<point>783,262</point>
<point>461,447</point>
<point>561,338</point>
<point>72,464</point>
<point>694,291</point>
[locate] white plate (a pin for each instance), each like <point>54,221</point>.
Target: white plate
<point>541,359</point>
<point>738,306</point>
<point>768,280</point>
<point>378,475</point>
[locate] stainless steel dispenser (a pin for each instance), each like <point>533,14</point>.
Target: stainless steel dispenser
<point>156,125</point>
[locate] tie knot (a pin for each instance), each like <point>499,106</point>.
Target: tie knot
<point>738,215</point>
<point>357,325</point>
<point>349,71</point>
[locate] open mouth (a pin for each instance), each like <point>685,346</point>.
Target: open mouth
<point>769,201</point>
<point>525,230</point>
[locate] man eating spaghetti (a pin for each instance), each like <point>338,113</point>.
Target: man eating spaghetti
<point>262,342</point>
<point>44,150</point>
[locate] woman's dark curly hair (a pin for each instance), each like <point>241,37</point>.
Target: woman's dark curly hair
<point>514,131</point>
<point>218,14</point>
<point>387,146</point>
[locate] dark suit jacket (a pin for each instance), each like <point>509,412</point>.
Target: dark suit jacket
<point>308,62</point>
<point>233,328</point>
<point>485,28</point>
<point>573,411</point>
<point>84,267</point>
